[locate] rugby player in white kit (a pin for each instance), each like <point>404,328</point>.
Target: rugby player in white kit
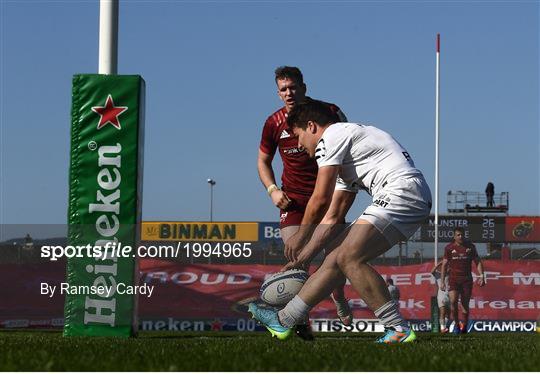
<point>351,157</point>
<point>443,299</point>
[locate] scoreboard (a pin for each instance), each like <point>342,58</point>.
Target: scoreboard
<point>476,228</point>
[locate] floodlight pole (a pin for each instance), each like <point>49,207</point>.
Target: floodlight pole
<point>437,98</point>
<point>212,183</point>
<point>108,37</point>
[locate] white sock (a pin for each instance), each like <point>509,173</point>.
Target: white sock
<point>342,306</point>
<point>390,316</point>
<point>295,312</point>
<point>442,323</point>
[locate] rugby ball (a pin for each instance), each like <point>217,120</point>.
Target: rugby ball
<point>279,288</point>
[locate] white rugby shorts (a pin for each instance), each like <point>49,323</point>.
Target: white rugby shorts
<point>443,299</point>
<point>399,208</point>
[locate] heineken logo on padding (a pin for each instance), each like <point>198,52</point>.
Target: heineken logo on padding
<point>109,113</point>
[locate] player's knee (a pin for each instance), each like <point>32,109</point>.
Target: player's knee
<point>343,262</point>
<point>348,258</point>
<point>331,260</point>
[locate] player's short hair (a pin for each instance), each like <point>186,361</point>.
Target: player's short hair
<point>459,229</point>
<point>390,281</point>
<point>291,72</point>
<point>311,110</point>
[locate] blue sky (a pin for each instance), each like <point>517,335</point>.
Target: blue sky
<point>209,67</point>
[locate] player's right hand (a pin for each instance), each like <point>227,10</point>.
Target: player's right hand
<point>280,199</point>
<point>289,266</point>
<point>443,287</point>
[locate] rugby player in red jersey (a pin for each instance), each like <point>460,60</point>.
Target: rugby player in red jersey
<point>299,170</point>
<point>458,258</point>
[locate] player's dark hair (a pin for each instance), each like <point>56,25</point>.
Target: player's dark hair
<point>462,231</point>
<point>291,72</point>
<point>390,281</point>
<point>311,110</point>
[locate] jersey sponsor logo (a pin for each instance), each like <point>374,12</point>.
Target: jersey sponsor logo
<point>293,151</point>
<point>284,134</point>
<point>283,217</point>
<point>383,201</point>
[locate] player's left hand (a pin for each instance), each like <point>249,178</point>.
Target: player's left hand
<point>481,281</point>
<point>293,246</point>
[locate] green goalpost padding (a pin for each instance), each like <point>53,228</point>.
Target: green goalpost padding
<point>105,189</point>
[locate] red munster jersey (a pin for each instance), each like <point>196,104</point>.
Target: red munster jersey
<point>299,171</point>
<point>460,258</point>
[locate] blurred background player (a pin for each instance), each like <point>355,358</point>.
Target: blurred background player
<point>443,299</point>
<point>456,266</point>
<point>351,157</point>
<point>299,171</point>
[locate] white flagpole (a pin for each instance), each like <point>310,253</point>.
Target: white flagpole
<point>108,37</point>
<point>437,98</point>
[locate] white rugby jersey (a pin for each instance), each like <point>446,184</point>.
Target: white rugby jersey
<point>369,157</point>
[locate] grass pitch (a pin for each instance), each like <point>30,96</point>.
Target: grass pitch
<point>45,351</point>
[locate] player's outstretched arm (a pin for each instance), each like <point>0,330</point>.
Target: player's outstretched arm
<point>329,228</point>
<point>315,211</point>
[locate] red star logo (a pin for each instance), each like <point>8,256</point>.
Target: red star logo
<point>109,113</point>
<point>216,325</point>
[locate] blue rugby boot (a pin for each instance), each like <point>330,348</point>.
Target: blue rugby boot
<point>269,319</point>
<point>391,336</point>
